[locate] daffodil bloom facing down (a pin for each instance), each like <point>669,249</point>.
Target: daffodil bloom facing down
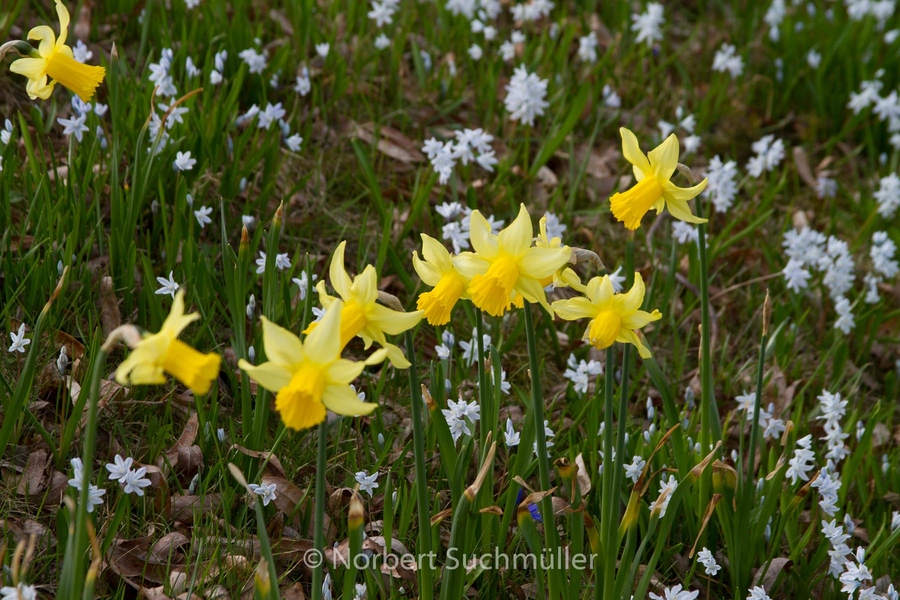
<point>437,270</point>
<point>614,317</point>
<point>308,377</point>
<point>653,188</point>
<point>160,353</point>
<point>565,276</point>
<point>506,268</point>
<point>55,60</point>
<point>361,314</point>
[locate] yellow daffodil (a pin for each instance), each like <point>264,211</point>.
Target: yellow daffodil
<point>310,376</point>
<point>160,353</point>
<point>437,270</point>
<point>55,60</point>
<point>507,268</point>
<point>361,314</point>
<point>614,317</point>
<point>654,188</point>
<point>565,276</point>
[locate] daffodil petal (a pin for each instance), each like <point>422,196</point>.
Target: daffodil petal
<point>323,344</point>
<point>428,273</point>
<point>632,300</point>
<point>673,192</point>
<point>630,337</point>
<point>377,357</point>
<point>600,290</point>
<point>391,321</point>
<point>640,319</point>
<point>340,281</point>
<point>664,158</point>
<point>517,237</point>
<point>681,211</point>
<point>32,68</point>
<point>435,253</point>
<point>482,237</point>
<point>533,291</point>
<point>344,371</point>
<point>365,287</point>
<point>282,346</point>
<point>270,375</point>
<point>470,264</point>
<point>341,400</point>
<point>631,150</point>
<point>543,262</point>
<point>63,13</point>
<point>572,309</point>
<point>396,356</point>
<point>47,38</point>
<point>177,320</point>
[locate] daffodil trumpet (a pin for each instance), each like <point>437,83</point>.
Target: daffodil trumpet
<point>361,314</point>
<point>309,377</point>
<point>437,271</point>
<point>613,317</point>
<point>53,62</point>
<point>506,269</point>
<point>154,355</point>
<point>654,188</point>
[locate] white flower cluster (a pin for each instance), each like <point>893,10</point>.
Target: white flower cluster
<point>470,349</point>
<point>727,60</point>
<point>807,248</point>
<point>773,18</point>
<point>884,265</point>
<point>256,61</point>
<point>525,95</point>
<point>456,230</point>
<point>769,154</point>
<point>828,485</point>
<point>587,48</point>
<point>216,75</point>
<point>721,186</point>
<point>458,414</point>
<point>160,74</point>
<point>508,48</point>
<point>686,123</point>
<point>772,427</point>
<point>880,10</point>
<point>666,489</point>
<point>95,494</point>
<point>833,410</point>
<point>706,558</point>
<point>888,195</point>
<point>648,24</point>
<point>634,468</point>
<point>886,108</point>
<point>534,10</point>
<point>580,373</point>
<point>802,462</point>
<point>383,11</point>
<point>133,481</point>
<point>471,145</point>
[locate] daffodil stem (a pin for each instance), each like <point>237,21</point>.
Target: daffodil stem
<point>754,427</point>
<point>484,389</point>
<point>537,407</point>
<point>72,577</point>
<point>710,428</point>
<point>423,548</point>
<point>319,519</point>
<point>608,502</point>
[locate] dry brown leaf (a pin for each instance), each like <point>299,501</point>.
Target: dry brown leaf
<point>584,480</point>
<point>110,317</point>
<point>32,481</point>
<point>183,507</point>
<point>802,162</point>
<point>273,462</point>
<point>391,142</point>
<point>294,592</point>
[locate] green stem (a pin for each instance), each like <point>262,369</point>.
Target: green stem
<point>608,501</point>
<point>426,581</point>
<point>754,427</point>
<point>537,407</point>
<point>710,428</point>
<point>319,519</point>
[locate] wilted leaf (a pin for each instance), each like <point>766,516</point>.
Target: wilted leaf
<point>391,142</point>
<point>110,318</point>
